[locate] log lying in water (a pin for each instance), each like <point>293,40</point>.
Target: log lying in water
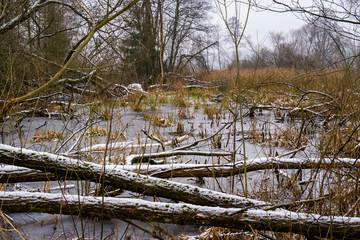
<point>131,144</point>
<point>11,174</point>
<point>145,157</point>
<point>14,174</point>
<point>114,176</point>
<point>212,208</point>
<point>226,170</point>
<point>180,213</point>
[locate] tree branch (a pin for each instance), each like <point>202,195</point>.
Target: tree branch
<point>114,176</point>
<point>57,76</point>
<point>181,213</point>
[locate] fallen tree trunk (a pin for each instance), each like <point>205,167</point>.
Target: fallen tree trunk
<point>38,113</point>
<point>19,174</point>
<point>112,175</point>
<point>226,170</point>
<point>145,157</point>
<point>191,87</point>
<point>164,87</point>
<point>179,213</point>
<point>131,144</point>
<point>14,174</point>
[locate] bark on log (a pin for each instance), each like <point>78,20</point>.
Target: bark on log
<point>14,174</point>
<point>114,176</point>
<point>181,213</point>
<point>226,170</point>
<point>38,113</point>
<point>164,87</point>
<point>145,157</point>
<point>191,87</point>
<point>131,144</point>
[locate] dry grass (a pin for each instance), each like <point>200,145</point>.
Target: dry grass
<point>179,100</point>
<point>136,101</point>
<point>328,79</point>
<point>122,102</point>
<point>158,121</point>
<point>163,98</point>
<point>48,135</point>
<point>338,136</point>
<point>271,86</point>
<point>154,98</point>
<point>106,114</point>
<point>180,128</point>
<point>212,111</point>
<point>96,131</point>
<point>288,138</point>
<point>343,141</point>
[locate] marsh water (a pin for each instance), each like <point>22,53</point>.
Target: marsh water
<point>267,134</point>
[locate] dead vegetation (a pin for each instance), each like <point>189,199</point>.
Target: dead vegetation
<point>52,135</point>
<point>307,119</point>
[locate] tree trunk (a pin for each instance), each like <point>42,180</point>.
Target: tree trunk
<point>147,156</point>
<point>114,176</point>
<point>180,213</point>
<point>11,174</point>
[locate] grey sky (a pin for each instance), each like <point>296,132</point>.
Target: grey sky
<point>260,24</point>
<point>264,22</point>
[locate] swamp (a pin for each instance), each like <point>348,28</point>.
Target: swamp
<point>112,127</point>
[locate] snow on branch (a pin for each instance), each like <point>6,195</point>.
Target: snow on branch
<point>21,174</point>
<point>131,145</point>
<point>182,213</point>
<point>114,176</point>
<point>146,157</point>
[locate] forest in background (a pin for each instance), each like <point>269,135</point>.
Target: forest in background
<point>38,37</point>
<point>72,64</point>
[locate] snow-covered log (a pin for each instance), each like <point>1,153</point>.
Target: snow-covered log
<point>20,174</point>
<point>131,145</point>
<point>191,87</point>
<point>114,176</point>
<point>145,157</point>
<point>181,213</point>
<point>13,174</point>
<point>39,113</point>
<point>136,87</point>
<point>164,87</point>
<point>226,170</point>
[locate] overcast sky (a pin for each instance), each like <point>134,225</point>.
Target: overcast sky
<point>259,26</point>
<point>264,22</point>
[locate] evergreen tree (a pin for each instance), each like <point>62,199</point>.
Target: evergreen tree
<point>54,38</point>
<point>139,48</point>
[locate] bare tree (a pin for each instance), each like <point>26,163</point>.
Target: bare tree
<point>173,32</point>
<point>96,26</point>
<point>236,32</point>
<point>342,15</point>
